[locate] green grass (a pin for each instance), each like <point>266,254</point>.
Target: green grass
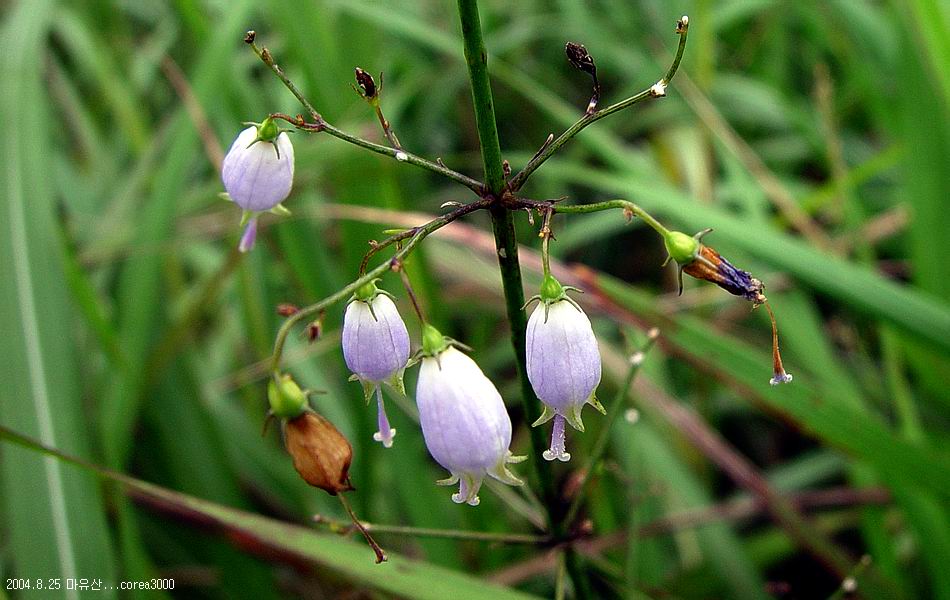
<point>135,337</point>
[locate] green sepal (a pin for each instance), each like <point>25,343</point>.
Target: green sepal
<point>268,130</point>
<point>225,196</point>
<point>681,247</point>
<point>281,211</point>
<point>501,472</point>
<point>546,415</point>
<point>551,289</point>
<point>433,342</point>
<point>451,480</point>
<point>396,382</point>
<point>593,401</point>
<point>369,388</point>
<point>573,416</point>
<point>366,292</point>
<point>285,397</point>
<point>246,216</point>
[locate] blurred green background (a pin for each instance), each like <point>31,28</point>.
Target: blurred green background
<point>814,137</point>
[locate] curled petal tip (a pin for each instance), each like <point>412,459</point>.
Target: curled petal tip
<point>386,440</point>
<point>782,377</point>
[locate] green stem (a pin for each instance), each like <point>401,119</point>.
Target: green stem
<point>476,57</point>
<point>613,410</point>
<point>547,151</point>
<point>320,125</point>
<point>506,242</point>
<point>647,218</point>
<point>506,245</point>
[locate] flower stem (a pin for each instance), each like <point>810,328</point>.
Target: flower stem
<point>506,245</point>
<point>418,235</point>
<point>549,149</point>
<point>625,205</point>
<point>319,124</point>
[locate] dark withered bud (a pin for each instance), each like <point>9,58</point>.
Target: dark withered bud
<point>580,58</point>
<point>287,310</point>
<point>702,262</point>
<point>250,36</point>
<point>367,84</point>
<point>314,330</point>
<point>321,454</point>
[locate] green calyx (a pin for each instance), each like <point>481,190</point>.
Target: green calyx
<point>433,342</point>
<point>367,291</point>
<point>681,247</point>
<point>287,400</point>
<point>551,289</point>
<point>268,130</point>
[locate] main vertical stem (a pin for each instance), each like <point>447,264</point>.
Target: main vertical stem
<point>506,243</point>
<point>506,247</point>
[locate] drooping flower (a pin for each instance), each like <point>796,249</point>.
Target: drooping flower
<point>376,349</point>
<point>464,421</point>
<point>258,173</point>
<point>563,362</point>
<point>321,454</point>
<point>702,262</point>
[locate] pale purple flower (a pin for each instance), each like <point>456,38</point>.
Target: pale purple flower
<point>564,367</point>
<point>376,350</point>
<point>258,175</point>
<point>464,421</point>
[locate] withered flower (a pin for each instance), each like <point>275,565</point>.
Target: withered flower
<point>367,84</point>
<point>321,454</point>
<point>702,262</point>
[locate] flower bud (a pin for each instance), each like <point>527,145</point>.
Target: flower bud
<point>464,422</point>
<point>376,349</point>
<point>321,454</point>
<point>258,173</point>
<point>286,398</point>
<point>563,362</point>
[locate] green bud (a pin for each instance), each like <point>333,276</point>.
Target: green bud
<point>287,400</point>
<point>551,289</point>
<point>367,291</point>
<point>433,342</point>
<point>268,130</point>
<point>682,248</point>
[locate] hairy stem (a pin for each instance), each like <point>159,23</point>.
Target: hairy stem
<point>654,91</point>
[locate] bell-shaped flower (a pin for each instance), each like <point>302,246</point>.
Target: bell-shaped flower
<point>376,349</point>
<point>563,362</point>
<point>464,421</point>
<point>258,172</point>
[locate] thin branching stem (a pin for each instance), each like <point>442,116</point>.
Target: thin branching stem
<point>654,91</point>
<point>628,207</point>
<point>318,124</point>
<point>418,234</point>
